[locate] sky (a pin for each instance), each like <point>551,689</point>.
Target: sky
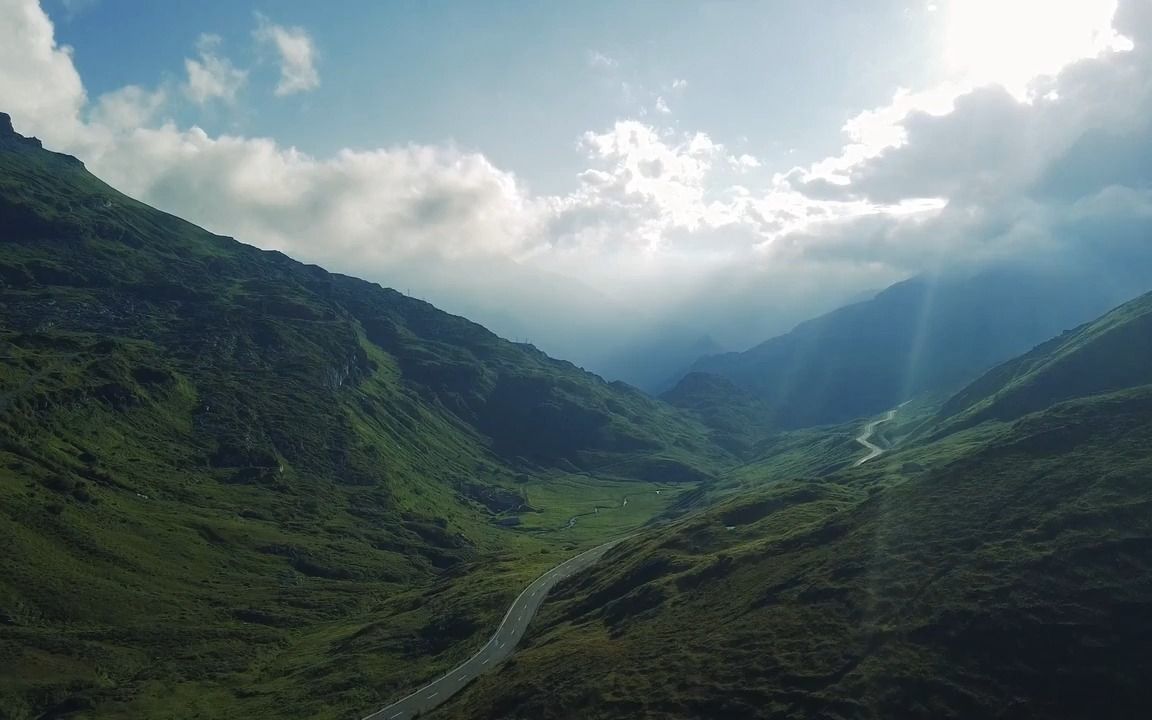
<point>622,184</point>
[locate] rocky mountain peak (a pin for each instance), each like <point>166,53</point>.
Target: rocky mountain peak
<point>8,132</point>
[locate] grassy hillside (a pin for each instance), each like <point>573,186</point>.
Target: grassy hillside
<point>1003,570</point>
<point>235,485</point>
<point>922,335</point>
<point>737,419</point>
<point>1109,354</point>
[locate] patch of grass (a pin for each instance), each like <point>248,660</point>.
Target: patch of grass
<point>598,506</point>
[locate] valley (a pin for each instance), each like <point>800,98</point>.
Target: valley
<point>276,487</point>
<point>948,576</point>
<point>236,485</point>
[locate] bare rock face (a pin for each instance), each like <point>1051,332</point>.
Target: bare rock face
<point>9,134</point>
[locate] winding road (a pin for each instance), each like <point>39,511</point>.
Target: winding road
<point>597,508</point>
<point>497,649</point>
<point>865,437</point>
<point>524,608</point>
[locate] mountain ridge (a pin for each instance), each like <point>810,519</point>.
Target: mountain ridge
<point>231,482</point>
<point>1108,354</point>
<point>999,569</point>
<point>867,357</point>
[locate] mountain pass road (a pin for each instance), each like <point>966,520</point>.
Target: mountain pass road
<point>501,645</point>
<point>865,438</point>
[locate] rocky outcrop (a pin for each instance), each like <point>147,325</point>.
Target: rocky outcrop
<point>8,133</point>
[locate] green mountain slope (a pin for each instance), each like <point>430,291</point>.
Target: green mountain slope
<point>1001,571</point>
<point>738,419</point>
<point>1112,353</point>
<point>924,334</point>
<point>235,485</point>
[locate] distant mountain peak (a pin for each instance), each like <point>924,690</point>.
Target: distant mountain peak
<point>866,357</point>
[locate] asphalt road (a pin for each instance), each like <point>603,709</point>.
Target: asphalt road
<point>501,645</point>
<point>865,438</point>
<point>596,509</point>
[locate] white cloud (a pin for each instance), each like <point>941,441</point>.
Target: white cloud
<point>599,61</point>
<point>296,52</point>
<point>1010,42</point>
<point>211,77</point>
<point>657,182</point>
<point>871,132</point>
<point>745,162</point>
<point>38,83</point>
<point>367,207</point>
<point>357,210</point>
<point>1019,175</point>
<point>129,107</point>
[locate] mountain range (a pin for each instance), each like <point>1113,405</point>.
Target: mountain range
<point>998,567</point>
<point>235,485</point>
<point>926,334</point>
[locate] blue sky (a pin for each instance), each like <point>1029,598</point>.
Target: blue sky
<point>604,178</point>
<point>522,81</point>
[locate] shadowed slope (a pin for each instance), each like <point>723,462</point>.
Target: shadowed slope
<point>1109,354</point>
<point>924,334</point>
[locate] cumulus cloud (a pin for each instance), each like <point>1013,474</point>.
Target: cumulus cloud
<point>1012,42</point>
<point>745,162</point>
<point>211,76</point>
<point>354,210</point>
<point>296,53</point>
<point>128,107</point>
<point>957,176</point>
<point>380,205</point>
<point>38,82</point>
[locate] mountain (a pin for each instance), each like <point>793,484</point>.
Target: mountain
<point>231,483</point>
<point>1002,569</point>
<point>733,414</point>
<point>1112,353</point>
<point>919,335</point>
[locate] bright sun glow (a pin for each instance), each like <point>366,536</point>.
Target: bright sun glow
<point>1012,41</point>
